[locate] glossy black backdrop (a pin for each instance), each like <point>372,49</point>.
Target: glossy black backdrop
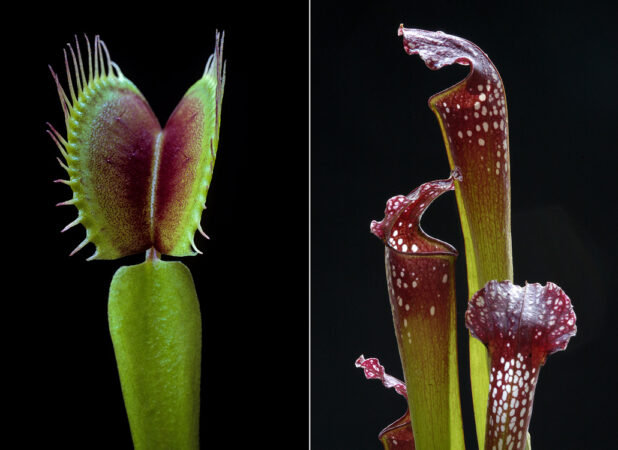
<point>251,280</point>
<point>373,136</point>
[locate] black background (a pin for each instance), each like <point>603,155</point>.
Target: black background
<point>373,137</point>
<point>252,279</point>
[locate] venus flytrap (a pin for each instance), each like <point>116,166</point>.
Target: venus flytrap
<point>142,188</point>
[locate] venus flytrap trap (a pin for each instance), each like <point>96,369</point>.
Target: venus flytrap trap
<point>519,326</point>
<point>142,188</point>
